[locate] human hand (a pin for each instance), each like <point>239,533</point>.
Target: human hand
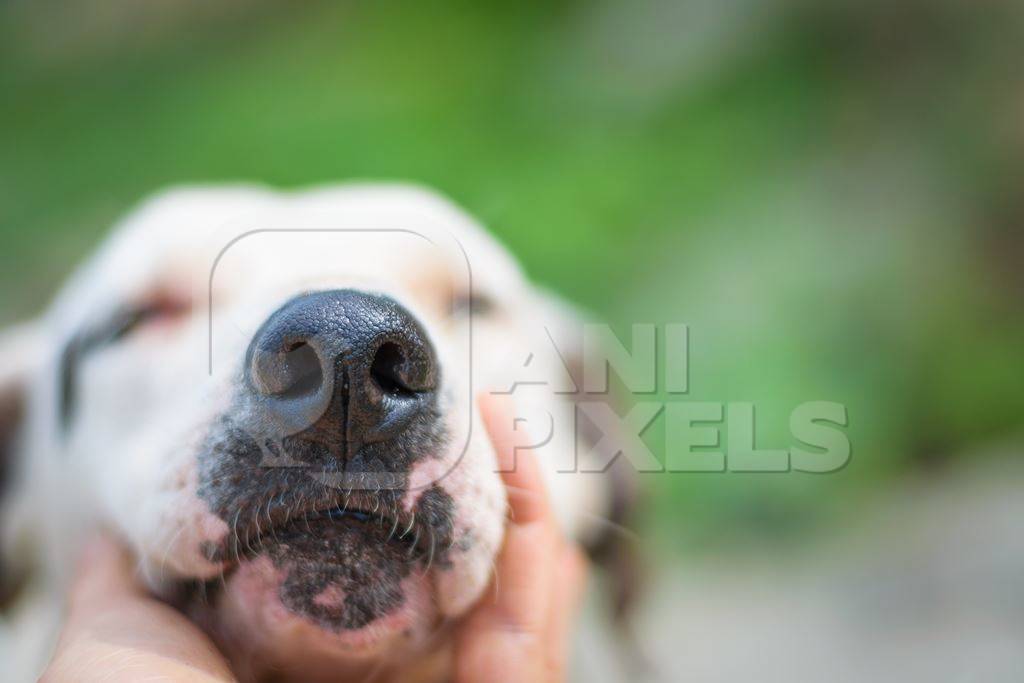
<point>520,630</point>
<point>116,632</point>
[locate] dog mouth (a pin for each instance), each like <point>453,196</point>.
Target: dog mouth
<point>345,548</point>
<point>376,519</point>
<point>381,527</point>
<point>339,564</point>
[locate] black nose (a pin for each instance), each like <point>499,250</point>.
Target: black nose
<point>342,368</point>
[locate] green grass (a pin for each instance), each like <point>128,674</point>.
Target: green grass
<point>769,179</point>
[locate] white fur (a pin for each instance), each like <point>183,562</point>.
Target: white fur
<point>144,404</point>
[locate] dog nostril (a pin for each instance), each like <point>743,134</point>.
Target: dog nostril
<point>304,368</point>
<point>294,372</point>
<point>342,369</point>
<point>387,370</point>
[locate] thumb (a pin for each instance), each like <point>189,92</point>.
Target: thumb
<point>105,572</point>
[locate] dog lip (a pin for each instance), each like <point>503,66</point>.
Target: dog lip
<point>357,508</point>
<point>349,514</point>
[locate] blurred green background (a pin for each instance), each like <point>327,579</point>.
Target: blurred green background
<point>830,194</point>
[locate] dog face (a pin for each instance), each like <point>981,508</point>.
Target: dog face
<point>271,397</point>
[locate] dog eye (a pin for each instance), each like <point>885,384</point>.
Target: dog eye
<point>121,323</point>
<point>128,318</point>
<point>472,304</point>
<point>114,327</point>
<point>158,309</point>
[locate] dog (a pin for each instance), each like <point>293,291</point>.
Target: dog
<point>270,397</point>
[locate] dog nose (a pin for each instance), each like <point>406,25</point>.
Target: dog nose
<point>342,368</point>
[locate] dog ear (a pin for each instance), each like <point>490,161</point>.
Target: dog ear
<point>612,544</point>
<point>22,351</point>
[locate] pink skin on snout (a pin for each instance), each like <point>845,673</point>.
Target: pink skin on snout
<point>477,525</point>
<point>253,615</point>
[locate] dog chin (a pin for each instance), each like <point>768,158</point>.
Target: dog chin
<point>340,595</point>
<point>258,620</point>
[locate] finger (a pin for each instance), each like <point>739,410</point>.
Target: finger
<point>105,571</point>
<point>528,500</point>
<point>116,632</point>
<point>503,638</point>
<point>526,563</point>
<point>571,583</point>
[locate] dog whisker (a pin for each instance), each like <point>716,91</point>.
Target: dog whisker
<point>394,527</point>
<point>248,544</point>
<point>234,534</point>
<point>413,546</point>
<point>270,519</point>
<point>412,523</point>
<point>495,578</point>
<point>430,555</point>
